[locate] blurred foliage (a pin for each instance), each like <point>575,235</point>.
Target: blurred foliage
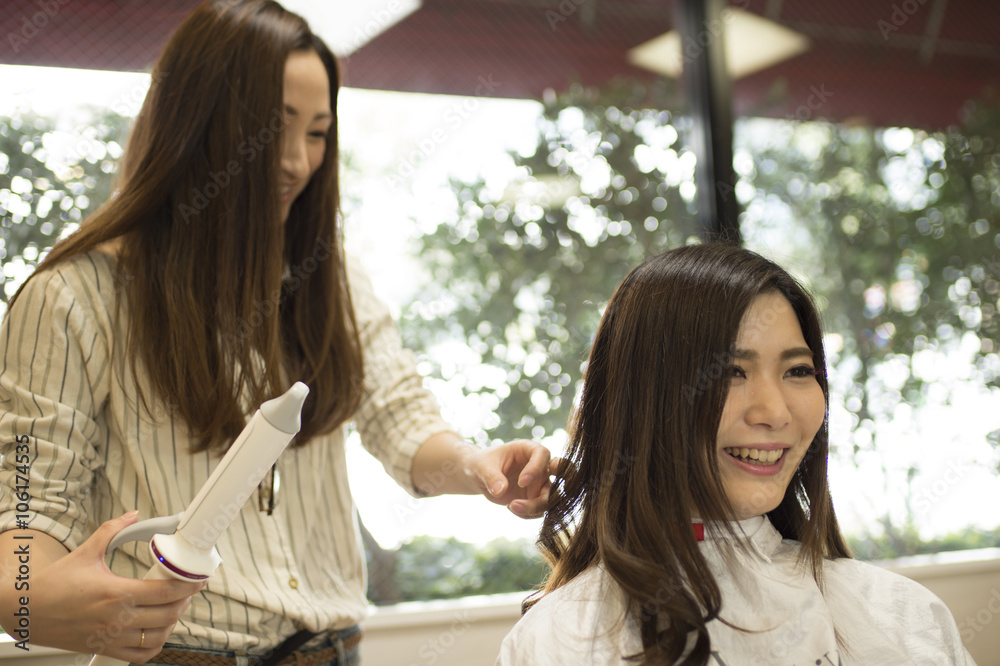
<point>524,273</point>
<point>904,252</point>
<point>51,177</point>
<point>434,568</point>
<point>899,231</point>
<point>904,224</point>
<point>907,541</point>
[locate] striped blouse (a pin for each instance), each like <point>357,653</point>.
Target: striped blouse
<point>66,391</point>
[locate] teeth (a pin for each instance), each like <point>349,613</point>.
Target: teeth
<point>756,455</point>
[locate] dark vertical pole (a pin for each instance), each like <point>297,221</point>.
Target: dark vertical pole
<point>702,25</point>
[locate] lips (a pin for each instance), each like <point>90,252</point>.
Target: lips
<point>757,461</point>
<point>758,456</point>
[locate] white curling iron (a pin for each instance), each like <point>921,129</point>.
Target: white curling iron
<point>183,545</point>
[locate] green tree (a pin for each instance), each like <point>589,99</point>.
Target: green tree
<point>904,244</point>
<point>50,179</point>
<point>434,568</point>
<point>899,229</point>
<point>888,546</point>
<point>524,273</point>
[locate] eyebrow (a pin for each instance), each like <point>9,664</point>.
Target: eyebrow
<point>323,115</point>
<point>794,352</point>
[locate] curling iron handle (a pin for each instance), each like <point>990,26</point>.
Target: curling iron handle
<point>144,530</point>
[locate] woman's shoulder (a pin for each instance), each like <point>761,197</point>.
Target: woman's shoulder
<point>591,584</point>
<point>79,291</point>
<point>93,272</point>
<point>369,309</point>
<point>871,601</point>
<point>567,606</point>
<point>865,576</point>
<point>880,587</point>
<point>584,621</point>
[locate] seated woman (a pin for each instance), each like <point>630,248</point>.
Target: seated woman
<point>697,527</point>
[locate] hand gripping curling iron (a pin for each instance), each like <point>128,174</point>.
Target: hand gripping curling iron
<point>183,545</point>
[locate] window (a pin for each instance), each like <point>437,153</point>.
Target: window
<point>495,158</point>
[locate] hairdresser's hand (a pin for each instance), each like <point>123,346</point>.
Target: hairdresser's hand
<point>76,603</point>
<point>516,474</point>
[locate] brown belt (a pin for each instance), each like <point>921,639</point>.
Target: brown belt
<point>186,658</point>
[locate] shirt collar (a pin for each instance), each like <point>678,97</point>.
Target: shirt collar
<point>761,535</point>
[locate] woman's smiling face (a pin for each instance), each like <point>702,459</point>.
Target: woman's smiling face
<point>308,118</point>
<point>774,408</point>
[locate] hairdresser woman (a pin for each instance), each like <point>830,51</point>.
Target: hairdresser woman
<point>133,356</point>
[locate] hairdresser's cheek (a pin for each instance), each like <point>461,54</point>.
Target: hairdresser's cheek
<point>316,155</point>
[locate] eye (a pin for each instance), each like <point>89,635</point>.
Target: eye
<point>802,372</point>
<point>318,134</point>
<point>736,372</point>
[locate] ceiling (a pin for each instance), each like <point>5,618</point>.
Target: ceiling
<point>906,62</point>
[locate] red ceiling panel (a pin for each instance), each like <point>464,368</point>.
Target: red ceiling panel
<point>902,62</point>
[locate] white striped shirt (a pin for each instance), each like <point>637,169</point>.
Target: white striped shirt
<point>96,454</point>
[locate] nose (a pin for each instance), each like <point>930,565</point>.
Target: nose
<point>766,404</point>
<point>294,158</point>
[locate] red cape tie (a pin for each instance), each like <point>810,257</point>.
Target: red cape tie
<point>699,531</point>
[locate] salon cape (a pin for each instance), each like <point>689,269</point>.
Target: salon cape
<point>865,616</point>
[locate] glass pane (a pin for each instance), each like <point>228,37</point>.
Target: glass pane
<point>874,174</point>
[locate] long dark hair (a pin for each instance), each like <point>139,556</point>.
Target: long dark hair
<point>197,234</point>
<point>643,444</point>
